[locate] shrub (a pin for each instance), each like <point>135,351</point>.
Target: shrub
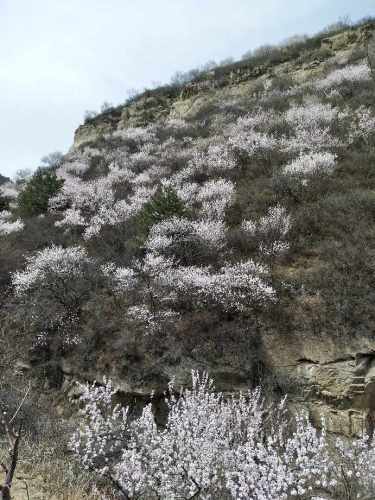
<point>52,290</point>
<point>311,164</point>
<point>191,242</point>
<point>106,107</point>
<point>89,116</point>
<point>270,231</point>
<point>353,74</point>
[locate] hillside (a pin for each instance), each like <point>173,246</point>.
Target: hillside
<point>226,226</point>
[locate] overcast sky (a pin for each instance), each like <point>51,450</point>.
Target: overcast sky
<point>59,58</point>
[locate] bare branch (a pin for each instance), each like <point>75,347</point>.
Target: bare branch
<point>21,404</point>
<point>27,489</point>
<point>14,438</point>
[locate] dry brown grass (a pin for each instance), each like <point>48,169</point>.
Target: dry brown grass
<point>43,473</point>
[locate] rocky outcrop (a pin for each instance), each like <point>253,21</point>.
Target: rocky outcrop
<point>333,380</point>
<point>329,379</point>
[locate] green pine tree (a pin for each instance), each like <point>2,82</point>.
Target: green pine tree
<point>33,199</point>
<point>164,204</point>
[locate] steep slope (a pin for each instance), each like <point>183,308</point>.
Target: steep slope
<point>227,227</point>
<point>296,63</point>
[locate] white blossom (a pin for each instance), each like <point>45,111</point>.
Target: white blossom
<point>139,135</point>
<point>253,143</point>
<point>215,196</point>
<point>212,446</point>
<point>151,320</point>
<point>7,226</point>
<point>311,164</point>
<point>72,217</point>
<point>311,112</point>
<point>9,190</point>
<point>217,158</point>
<point>310,138</point>
<point>63,262</point>
<point>361,122</point>
<point>180,231</point>
<point>270,231</point>
<point>123,278</point>
<point>234,287</point>
<point>352,73</point>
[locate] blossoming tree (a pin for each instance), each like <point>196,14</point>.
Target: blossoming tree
<point>214,446</point>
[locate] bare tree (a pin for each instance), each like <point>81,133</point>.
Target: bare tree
<point>14,437</point>
<point>52,160</point>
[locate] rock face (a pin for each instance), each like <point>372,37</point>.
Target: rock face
<point>331,378</point>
